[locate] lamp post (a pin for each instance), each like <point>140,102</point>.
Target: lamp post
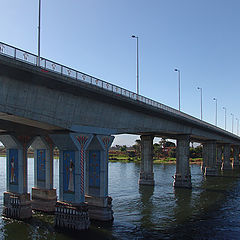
<point>232,121</point>
<point>133,36</point>
<point>179,105</point>
<point>225,117</point>
<point>237,124</point>
<point>214,99</point>
<point>39,25</point>
<point>199,88</point>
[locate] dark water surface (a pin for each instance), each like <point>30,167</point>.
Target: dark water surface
<point>211,210</point>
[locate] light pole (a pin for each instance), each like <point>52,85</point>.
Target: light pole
<point>39,25</point>
<point>232,121</point>
<point>199,88</point>
<point>237,124</point>
<point>225,117</point>
<point>133,36</point>
<point>179,106</point>
<point>214,99</point>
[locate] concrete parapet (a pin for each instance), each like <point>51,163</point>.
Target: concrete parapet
<point>44,199</point>
<point>182,181</point>
<point>72,216</point>
<point>99,208</point>
<point>17,205</point>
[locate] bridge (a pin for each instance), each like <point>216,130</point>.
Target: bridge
<point>50,105</point>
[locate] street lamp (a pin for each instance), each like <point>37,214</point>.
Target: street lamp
<point>177,70</point>
<point>232,121</point>
<point>214,99</point>
<point>199,88</point>
<point>237,124</point>
<point>225,117</point>
<point>133,36</point>
<point>39,25</point>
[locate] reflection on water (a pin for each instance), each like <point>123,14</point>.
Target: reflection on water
<point>210,210</point>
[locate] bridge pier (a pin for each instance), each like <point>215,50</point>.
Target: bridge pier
<point>182,177</point>
<point>219,157</point>
<point>17,202</point>
<point>71,211</point>
<point>43,195</point>
<point>210,158</point>
<point>236,163</point>
<point>226,165</point>
<point>146,172</point>
<point>97,199</point>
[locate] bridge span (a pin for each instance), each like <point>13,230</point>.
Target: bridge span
<point>53,105</point>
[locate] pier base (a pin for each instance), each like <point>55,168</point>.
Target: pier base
<point>99,208</point>
<point>72,216</point>
<point>182,181</point>
<point>211,171</point>
<point>17,205</point>
<point>44,200</point>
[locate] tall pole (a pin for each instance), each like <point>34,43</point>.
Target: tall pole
<point>232,121</point>
<point>199,88</point>
<point>39,31</point>
<point>133,36</point>
<point>216,111</point>
<point>237,125</point>
<point>225,117</point>
<point>179,105</point>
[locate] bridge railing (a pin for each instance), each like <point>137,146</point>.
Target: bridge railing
<point>51,66</point>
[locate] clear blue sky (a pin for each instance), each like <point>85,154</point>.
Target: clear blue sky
<point>200,37</point>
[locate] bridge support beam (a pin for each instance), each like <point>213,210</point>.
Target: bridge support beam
<point>210,158</point>
<point>146,172</point>
<point>97,199</point>
<point>182,177</point>
<point>226,165</point>
<point>17,202</point>
<point>236,163</point>
<point>71,211</point>
<point>219,157</point>
<point>43,195</point>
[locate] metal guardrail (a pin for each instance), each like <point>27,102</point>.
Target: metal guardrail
<point>49,65</point>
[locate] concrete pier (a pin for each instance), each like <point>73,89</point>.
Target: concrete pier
<point>210,158</point>
<point>182,177</point>
<point>17,202</point>
<point>219,157</point>
<point>43,195</point>
<point>72,148</point>
<point>236,163</point>
<point>146,172</point>
<point>226,165</point>
<point>97,199</point>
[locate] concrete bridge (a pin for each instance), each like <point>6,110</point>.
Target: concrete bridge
<point>53,105</point>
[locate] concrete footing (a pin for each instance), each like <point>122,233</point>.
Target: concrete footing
<point>17,205</point>
<point>146,179</point>
<point>99,208</point>
<point>182,181</point>
<point>44,199</point>
<point>71,216</point>
<point>210,171</point>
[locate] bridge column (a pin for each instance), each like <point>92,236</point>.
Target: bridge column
<point>210,155</point>
<point>17,202</point>
<point>204,157</point>
<point>182,177</point>
<point>226,165</point>
<point>99,203</point>
<point>71,211</point>
<point>43,195</point>
<point>236,156</point>
<point>146,173</point>
<point>219,157</point>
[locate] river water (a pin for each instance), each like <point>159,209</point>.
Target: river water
<point>210,210</point>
